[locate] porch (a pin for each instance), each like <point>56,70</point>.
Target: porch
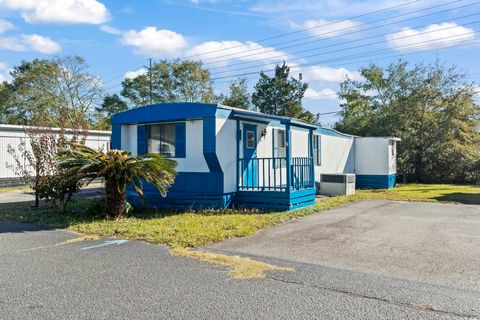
<point>273,172</point>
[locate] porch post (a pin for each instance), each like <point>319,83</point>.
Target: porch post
<point>288,155</point>
<point>237,139</point>
<point>311,160</point>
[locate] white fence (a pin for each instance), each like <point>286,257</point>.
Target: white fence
<point>13,135</point>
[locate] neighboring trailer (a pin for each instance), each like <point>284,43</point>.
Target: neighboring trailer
<point>14,135</point>
<point>375,162</point>
<point>229,156</point>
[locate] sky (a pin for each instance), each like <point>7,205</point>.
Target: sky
<point>324,40</point>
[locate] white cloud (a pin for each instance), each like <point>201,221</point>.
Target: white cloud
<point>109,29</point>
<point>155,43</point>
<point>435,35</point>
<point>5,25</point>
<point>59,11</point>
<point>41,44</point>
<point>221,52</point>
<point>322,28</point>
<point>135,73</point>
<point>30,42</point>
<point>328,74</point>
<point>322,94</point>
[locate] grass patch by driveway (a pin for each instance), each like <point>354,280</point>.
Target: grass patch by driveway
<point>192,229</point>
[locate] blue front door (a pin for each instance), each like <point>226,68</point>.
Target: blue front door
<point>250,169</point>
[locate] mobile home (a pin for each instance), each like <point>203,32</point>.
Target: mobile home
<point>229,156</point>
<point>15,135</point>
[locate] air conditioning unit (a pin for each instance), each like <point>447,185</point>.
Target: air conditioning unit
<point>337,184</point>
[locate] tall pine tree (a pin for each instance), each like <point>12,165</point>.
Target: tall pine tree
<point>281,95</point>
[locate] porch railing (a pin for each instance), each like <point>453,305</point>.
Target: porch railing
<point>270,174</point>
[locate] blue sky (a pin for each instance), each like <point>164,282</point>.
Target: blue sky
<point>324,40</point>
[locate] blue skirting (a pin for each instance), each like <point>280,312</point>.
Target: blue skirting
<point>375,181</point>
<point>265,200</point>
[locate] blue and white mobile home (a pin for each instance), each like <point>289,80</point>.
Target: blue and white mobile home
<point>229,156</point>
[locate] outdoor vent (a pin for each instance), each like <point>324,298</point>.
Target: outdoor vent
<point>333,178</point>
<point>337,184</point>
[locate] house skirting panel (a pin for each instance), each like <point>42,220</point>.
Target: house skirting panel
<point>375,181</point>
<point>264,200</point>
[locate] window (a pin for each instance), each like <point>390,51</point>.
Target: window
<point>279,143</point>
<point>167,139</point>
<point>317,150</point>
<point>250,139</point>
<point>392,147</point>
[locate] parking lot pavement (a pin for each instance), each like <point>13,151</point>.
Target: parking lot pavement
<point>427,242</point>
<point>18,196</point>
<point>43,276</point>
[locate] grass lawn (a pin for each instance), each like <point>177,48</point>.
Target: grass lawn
<point>192,229</point>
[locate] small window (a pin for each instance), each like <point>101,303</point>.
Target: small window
<point>317,150</point>
<point>161,139</point>
<point>392,146</point>
<point>250,139</point>
<point>279,150</point>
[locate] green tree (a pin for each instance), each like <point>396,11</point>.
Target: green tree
<point>42,91</point>
<point>111,104</point>
<point>280,95</point>
<point>432,108</point>
<point>238,95</point>
<point>118,169</point>
<point>176,81</point>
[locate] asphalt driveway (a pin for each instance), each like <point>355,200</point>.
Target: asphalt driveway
<point>44,277</point>
<point>428,242</point>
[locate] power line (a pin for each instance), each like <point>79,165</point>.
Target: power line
<point>249,52</point>
<point>307,29</point>
<point>341,58</point>
<point>370,59</point>
<point>119,76</point>
<point>323,47</point>
<point>355,47</point>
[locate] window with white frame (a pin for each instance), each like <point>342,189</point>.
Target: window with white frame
<point>317,150</point>
<point>279,147</point>
<point>161,139</point>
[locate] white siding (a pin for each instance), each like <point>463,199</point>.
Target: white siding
<point>194,160</point>
<point>371,156</point>
<point>129,139</point>
<point>226,149</point>
<point>14,135</point>
<point>299,143</point>
<point>337,155</point>
<point>392,157</point>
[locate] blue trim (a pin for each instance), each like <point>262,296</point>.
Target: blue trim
<point>209,144</point>
<point>311,154</point>
<point>116,137</point>
<point>180,140</point>
<point>165,112</point>
<point>375,181</point>
<point>288,155</point>
<point>250,165</point>
<point>197,183</point>
<point>238,139</point>
<point>142,140</point>
<point>253,120</point>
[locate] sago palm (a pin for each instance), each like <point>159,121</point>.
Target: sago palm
<point>118,169</point>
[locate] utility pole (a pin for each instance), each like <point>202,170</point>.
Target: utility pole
<point>150,79</point>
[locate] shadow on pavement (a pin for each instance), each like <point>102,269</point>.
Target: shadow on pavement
<point>465,198</point>
<point>19,227</point>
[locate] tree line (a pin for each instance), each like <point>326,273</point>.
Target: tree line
<point>433,108</point>
<point>43,91</point>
